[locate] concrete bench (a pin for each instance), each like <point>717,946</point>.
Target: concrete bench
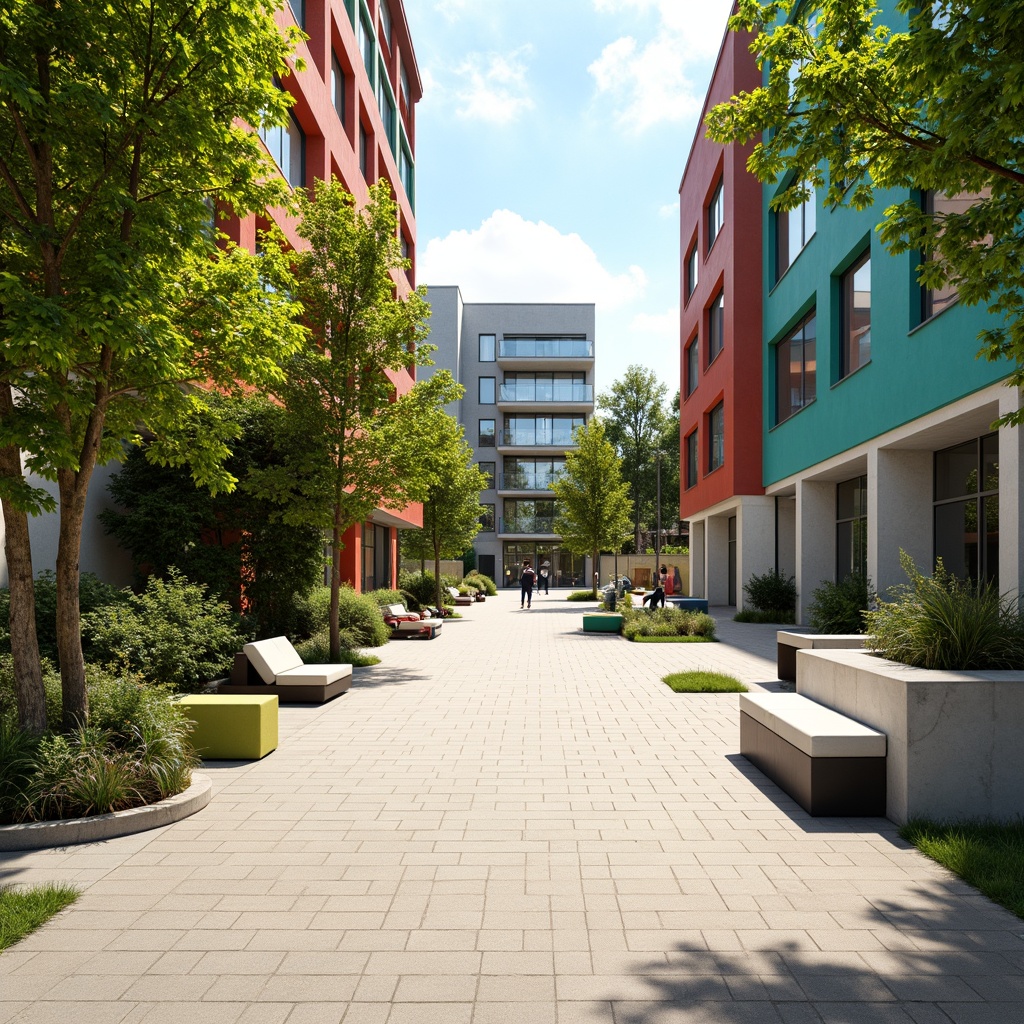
<point>460,599</point>
<point>789,643</point>
<point>404,623</point>
<point>828,763</point>
<point>688,604</point>
<point>231,727</point>
<point>274,666</point>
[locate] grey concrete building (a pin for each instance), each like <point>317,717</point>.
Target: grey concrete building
<point>528,374</point>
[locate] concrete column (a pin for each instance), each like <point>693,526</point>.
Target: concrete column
<point>815,539</point>
<point>755,542</point>
<point>717,547</point>
<point>786,533</point>
<point>1011,503</point>
<point>900,514</point>
<point>698,571</point>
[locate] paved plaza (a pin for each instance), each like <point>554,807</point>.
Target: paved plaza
<point>513,824</point>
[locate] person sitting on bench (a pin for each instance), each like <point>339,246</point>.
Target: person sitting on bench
<point>657,595</point>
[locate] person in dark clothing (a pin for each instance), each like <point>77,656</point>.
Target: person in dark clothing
<point>657,596</point>
<point>526,580</point>
<point>542,578</point>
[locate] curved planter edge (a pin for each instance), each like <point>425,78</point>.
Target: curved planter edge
<point>40,835</point>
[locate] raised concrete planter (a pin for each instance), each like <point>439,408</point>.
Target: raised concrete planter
<point>955,747</point>
<point>788,643</point>
<point>602,622</point>
<point>688,604</point>
<point>38,835</point>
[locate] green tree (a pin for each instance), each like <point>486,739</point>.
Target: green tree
<point>591,498</point>
<point>451,507</point>
<point>932,104</point>
<point>122,128</point>
<point>357,446</point>
<point>669,444</point>
<point>634,424</point>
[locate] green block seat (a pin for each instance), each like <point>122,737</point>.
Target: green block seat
<point>602,622</point>
<point>231,727</point>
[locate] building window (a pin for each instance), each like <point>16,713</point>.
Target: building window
<point>716,437</point>
<point>528,515</point>
<point>487,348</point>
<point>487,390</point>
<point>855,306</point>
<point>556,431</point>
<point>692,365</point>
<point>796,369</point>
<point>716,327</point>
<point>852,527</point>
<point>692,467</point>
<point>793,230</point>
<point>487,468</point>
<point>338,87</point>
<point>935,300</point>
<point>403,85</point>
<point>363,153</point>
<point>487,519</point>
<point>287,145</point>
<point>299,10</point>
<point>366,44</point>
<point>560,386</point>
<point>486,435</point>
<point>967,509</point>
<point>691,270</point>
<point>716,215</point>
<point>386,105</point>
<point>525,474</point>
<point>406,173</point>
<point>385,22</point>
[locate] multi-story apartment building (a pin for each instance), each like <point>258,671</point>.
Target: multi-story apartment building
<point>876,417</point>
<point>528,374</point>
<point>354,117</point>
<point>731,521</point>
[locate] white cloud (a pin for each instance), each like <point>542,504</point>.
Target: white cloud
<point>492,87</point>
<point>653,81</point>
<point>656,326</point>
<point>669,210</point>
<point>451,10</point>
<point>511,259</point>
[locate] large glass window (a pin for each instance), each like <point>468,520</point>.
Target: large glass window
<point>364,152</point>
<point>716,215</point>
<point>716,327</point>
<point>528,515</point>
<point>487,519</point>
<point>796,369</point>
<point>486,348</point>
<point>386,105</point>
<point>338,86</point>
<point>692,365</point>
<point>855,301</point>
<point>566,386</point>
<point>793,230</point>
<point>385,21</point>
<point>487,390</point>
<point>691,270</point>
<point>485,438</point>
<point>487,468</point>
<point>526,474</point>
<point>692,467</point>
<point>287,145</point>
<point>852,527</point>
<point>556,431</point>
<point>364,37</point>
<point>407,172</point>
<point>935,300</point>
<point>716,437</point>
<point>967,509</point>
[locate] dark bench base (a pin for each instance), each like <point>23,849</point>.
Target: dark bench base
<point>688,604</point>
<point>849,787</point>
<point>786,659</point>
<point>245,679</point>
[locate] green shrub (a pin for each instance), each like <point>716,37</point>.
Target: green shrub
<point>666,622</point>
<point>421,586</point>
<point>316,650</point>
<point>359,617</point>
<point>170,633</point>
<point>482,583</point>
<point>771,592</point>
<point>582,595</point>
<point>51,685</point>
<point>943,622</point>
<point>383,597</point>
<point>840,607</point>
<point>775,616</point>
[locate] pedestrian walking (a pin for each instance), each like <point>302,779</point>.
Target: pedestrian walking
<point>526,580</point>
<point>542,578</point>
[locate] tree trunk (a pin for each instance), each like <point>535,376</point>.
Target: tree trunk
<point>74,696</point>
<point>437,576</point>
<point>335,626</point>
<point>595,557</point>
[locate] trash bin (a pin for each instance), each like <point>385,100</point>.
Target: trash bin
<point>609,600</point>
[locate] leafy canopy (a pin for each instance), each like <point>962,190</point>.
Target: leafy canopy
<point>927,97</point>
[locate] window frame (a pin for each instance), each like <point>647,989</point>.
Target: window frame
<point>480,348</point>
<point>482,398</point>
<point>482,436</point>
<point>716,315</point>
<point>692,365</point>
<point>716,443</point>
<point>692,270</point>
<point>715,219</point>
<point>786,216</point>
<point>847,318</point>
<point>692,443</point>
<point>786,340</point>
<point>339,87</point>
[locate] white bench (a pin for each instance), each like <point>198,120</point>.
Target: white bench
<point>459,599</point>
<point>274,666</point>
<point>788,643</point>
<point>406,623</point>
<point>830,764</point>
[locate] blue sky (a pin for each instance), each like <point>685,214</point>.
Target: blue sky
<point>550,143</point>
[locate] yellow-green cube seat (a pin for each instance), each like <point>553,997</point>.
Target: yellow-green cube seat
<point>231,727</point>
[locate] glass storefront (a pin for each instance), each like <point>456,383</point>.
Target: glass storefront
<point>566,569</point>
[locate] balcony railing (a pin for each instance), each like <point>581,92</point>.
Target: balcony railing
<point>545,391</point>
<point>537,438</point>
<point>526,524</point>
<point>545,348</point>
<point>527,481</point>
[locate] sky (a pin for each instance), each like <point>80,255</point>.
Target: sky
<point>550,143</point>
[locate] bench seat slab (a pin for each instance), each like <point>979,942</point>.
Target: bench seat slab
<point>823,786</point>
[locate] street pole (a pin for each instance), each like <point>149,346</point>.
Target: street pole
<point>657,533</point>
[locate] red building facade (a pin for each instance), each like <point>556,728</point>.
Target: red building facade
<point>354,118</point>
<point>721,492</point>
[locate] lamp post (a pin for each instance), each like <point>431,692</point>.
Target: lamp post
<point>657,533</point>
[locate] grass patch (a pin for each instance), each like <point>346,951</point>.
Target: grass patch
<point>675,640</point>
<point>703,682</point>
<point>771,616</point>
<point>22,911</point>
<point>582,595</point>
<point>357,659</point>
<point>988,856</point>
